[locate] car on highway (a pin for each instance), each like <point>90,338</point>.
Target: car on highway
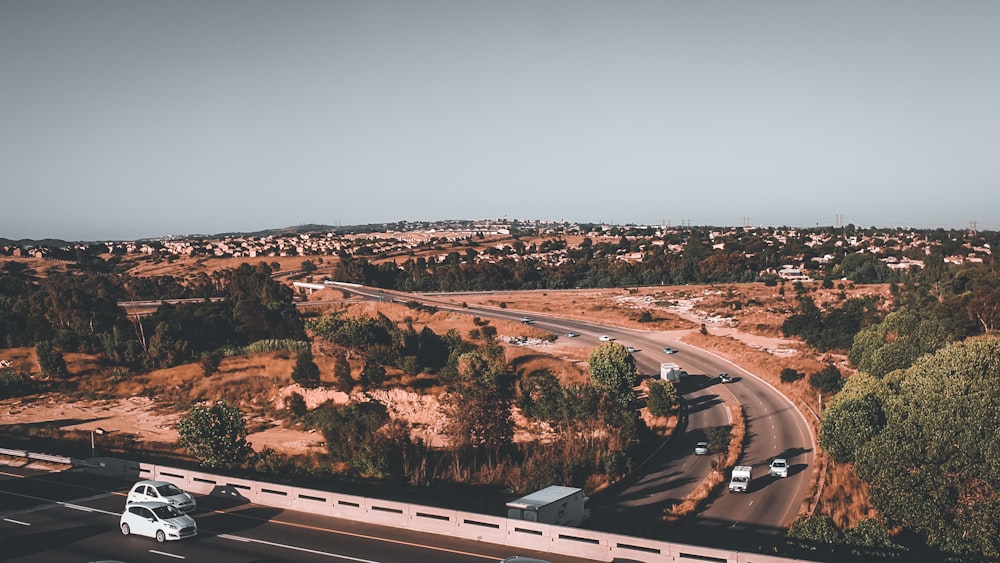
<point>701,448</point>
<point>631,349</point>
<point>157,520</point>
<point>571,335</point>
<point>779,468</point>
<point>519,559</point>
<point>669,350</point>
<point>161,491</point>
<point>526,320</point>
<point>604,338</point>
<point>725,378</point>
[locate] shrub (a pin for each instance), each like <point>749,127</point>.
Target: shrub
<point>789,375</point>
<point>14,383</point>
<point>828,380</point>
<point>50,359</point>
<point>296,405</point>
<point>306,372</point>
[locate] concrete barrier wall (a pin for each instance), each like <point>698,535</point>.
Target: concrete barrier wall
<point>578,542</point>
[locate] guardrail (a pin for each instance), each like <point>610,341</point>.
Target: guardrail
<point>588,544</point>
<point>38,456</point>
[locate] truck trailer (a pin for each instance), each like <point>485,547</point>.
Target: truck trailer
<point>562,506</point>
<point>670,371</point>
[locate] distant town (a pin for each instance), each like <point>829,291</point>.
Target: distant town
<point>804,251</point>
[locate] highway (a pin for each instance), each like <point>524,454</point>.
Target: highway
<point>774,429</point>
<point>71,517</point>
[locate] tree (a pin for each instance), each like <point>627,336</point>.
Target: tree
<point>662,398</point>
<point>342,372</point>
<point>50,360</point>
<point>613,370</point>
<point>902,337</point>
<point>372,375</point>
<point>216,435</point>
<point>935,466</point>
<point>827,380</point>
<point>847,425</point>
<point>296,404</point>
<point>305,372</point>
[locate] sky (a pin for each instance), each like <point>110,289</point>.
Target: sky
<point>122,120</point>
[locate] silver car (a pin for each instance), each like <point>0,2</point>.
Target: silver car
<point>779,468</point>
<point>157,520</point>
<point>161,491</point>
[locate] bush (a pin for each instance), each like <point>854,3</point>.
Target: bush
<point>210,362</point>
<point>50,359</point>
<point>306,372</point>
<point>789,375</point>
<point>14,383</point>
<point>828,380</point>
<point>296,405</point>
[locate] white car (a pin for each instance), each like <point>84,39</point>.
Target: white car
<point>631,349</point>
<point>604,338</point>
<point>701,448</point>
<point>669,350</point>
<point>725,378</point>
<point>157,520</point>
<point>161,491</point>
<point>779,468</point>
<point>571,335</point>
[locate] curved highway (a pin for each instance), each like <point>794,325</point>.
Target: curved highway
<point>775,428</point>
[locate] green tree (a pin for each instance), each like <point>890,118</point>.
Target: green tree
<point>935,466</point>
<point>847,425</point>
<point>306,372</point>
<point>662,399</point>
<point>827,380</point>
<point>902,337</point>
<point>216,435</point>
<point>613,370</point>
<point>50,360</point>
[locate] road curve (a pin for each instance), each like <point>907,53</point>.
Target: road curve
<point>775,428</point>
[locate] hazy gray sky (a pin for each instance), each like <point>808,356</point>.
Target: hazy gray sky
<point>130,119</point>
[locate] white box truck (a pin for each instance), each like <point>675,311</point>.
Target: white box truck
<point>562,506</point>
<point>670,371</point>
<point>740,482</point>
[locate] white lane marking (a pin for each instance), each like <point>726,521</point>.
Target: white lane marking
<point>87,508</point>
<point>12,521</point>
<point>296,548</point>
<point>174,555</point>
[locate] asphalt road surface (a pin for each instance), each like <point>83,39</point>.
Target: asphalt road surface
<point>72,517</point>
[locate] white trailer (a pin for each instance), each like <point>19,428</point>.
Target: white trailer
<point>740,482</point>
<point>671,371</point>
<point>562,506</point>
